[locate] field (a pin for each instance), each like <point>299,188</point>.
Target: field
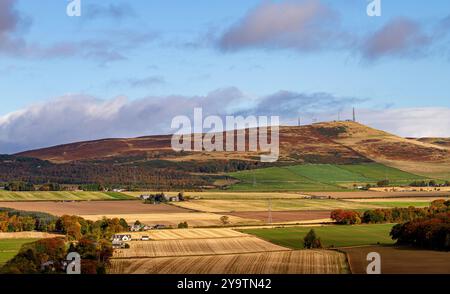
<point>398,260</point>
<point>306,216</point>
<point>180,234</point>
<point>196,219</point>
<point>277,205</point>
<point>202,246</point>
<point>318,177</point>
<point>10,247</point>
<point>93,207</point>
<point>63,195</point>
<point>27,235</point>
<point>228,195</point>
<point>219,251</point>
<point>286,262</point>
<point>331,236</point>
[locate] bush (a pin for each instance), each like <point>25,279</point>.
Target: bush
<point>383,183</point>
<point>311,241</point>
<point>183,225</point>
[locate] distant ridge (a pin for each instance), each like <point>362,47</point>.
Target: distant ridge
<point>329,142</point>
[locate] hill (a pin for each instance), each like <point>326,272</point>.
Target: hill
<point>151,160</point>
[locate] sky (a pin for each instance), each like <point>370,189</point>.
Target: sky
<point>126,68</point>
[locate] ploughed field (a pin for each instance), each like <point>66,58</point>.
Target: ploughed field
<point>285,262</point>
<point>184,247</point>
<point>400,260</point>
<point>219,251</point>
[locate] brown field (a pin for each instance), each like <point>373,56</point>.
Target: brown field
<point>93,207</point>
<point>412,189</point>
<point>285,216</point>
<point>186,247</point>
<point>238,205</point>
<point>196,219</point>
<point>371,194</point>
<point>396,260</point>
<point>28,235</point>
<point>425,200</point>
<point>286,262</point>
<point>179,234</point>
<point>230,195</point>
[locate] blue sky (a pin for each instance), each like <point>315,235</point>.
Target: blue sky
<point>151,50</point>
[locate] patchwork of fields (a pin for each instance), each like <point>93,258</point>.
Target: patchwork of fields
<point>219,251</point>
<point>318,177</point>
<point>221,206</point>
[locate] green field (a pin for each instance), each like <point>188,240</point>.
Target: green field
<point>337,236</point>
<point>318,177</point>
<point>10,247</point>
<point>63,195</point>
<point>399,204</point>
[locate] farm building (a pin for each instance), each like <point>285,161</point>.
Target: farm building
<point>122,238</point>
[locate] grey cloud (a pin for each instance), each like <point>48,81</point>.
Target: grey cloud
<point>310,26</point>
<point>300,25</point>
<point>107,46</point>
<point>76,117</point>
<point>291,104</point>
<point>400,37</point>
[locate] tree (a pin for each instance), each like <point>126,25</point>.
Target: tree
<point>346,217</point>
<point>311,241</point>
<point>383,183</point>
<point>183,225</point>
<point>225,220</point>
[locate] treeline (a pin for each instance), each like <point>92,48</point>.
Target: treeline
<point>431,183</point>
<point>89,239</point>
<point>427,227</point>
<point>39,172</point>
<point>26,186</point>
<point>72,226</point>
<point>389,215</point>
<point>432,232</point>
<point>21,221</point>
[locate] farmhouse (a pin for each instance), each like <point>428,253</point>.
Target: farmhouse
<point>122,238</point>
<point>174,199</point>
<point>145,197</point>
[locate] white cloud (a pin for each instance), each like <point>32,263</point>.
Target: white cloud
<point>409,122</point>
<point>74,118</point>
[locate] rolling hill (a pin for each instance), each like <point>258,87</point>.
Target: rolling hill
<point>150,159</point>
